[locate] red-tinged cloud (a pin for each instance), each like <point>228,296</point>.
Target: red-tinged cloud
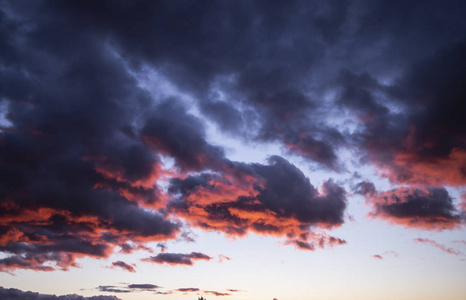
<point>124,266</point>
<point>422,143</point>
<point>275,199</point>
<point>177,258</point>
<point>429,208</point>
<point>406,167</point>
<point>15,294</point>
<point>437,245</point>
<point>377,256</point>
<point>54,239</point>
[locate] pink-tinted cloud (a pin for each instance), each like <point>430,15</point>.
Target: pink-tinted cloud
<point>437,245</point>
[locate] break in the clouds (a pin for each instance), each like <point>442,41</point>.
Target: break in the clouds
<point>15,294</point>
<point>86,129</point>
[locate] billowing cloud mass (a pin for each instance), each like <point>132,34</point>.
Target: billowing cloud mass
<point>15,294</point>
<point>427,208</point>
<point>107,111</point>
<point>274,199</point>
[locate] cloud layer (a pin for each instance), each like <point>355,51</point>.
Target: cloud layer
<point>107,109</point>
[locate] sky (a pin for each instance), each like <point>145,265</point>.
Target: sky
<point>266,150</point>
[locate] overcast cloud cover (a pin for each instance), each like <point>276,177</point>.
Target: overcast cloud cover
<point>106,109</point>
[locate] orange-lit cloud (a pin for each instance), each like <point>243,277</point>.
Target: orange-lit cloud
<point>275,199</point>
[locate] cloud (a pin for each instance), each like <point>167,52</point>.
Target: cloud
<point>222,258</point>
<point>143,286</point>
<point>377,256</point>
<point>123,265</point>
<point>428,208</point>
<point>15,294</point>
<point>162,247</point>
<point>112,289</point>
<point>229,292</point>
<point>184,290</point>
<point>177,258</point>
<point>218,294</point>
<point>424,144</point>
<point>275,199</point>
<point>437,245</point>
<point>128,288</point>
<point>88,127</point>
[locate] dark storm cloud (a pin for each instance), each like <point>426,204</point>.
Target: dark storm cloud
<point>15,294</point>
<point>429,208</point>
<point>177,258</point>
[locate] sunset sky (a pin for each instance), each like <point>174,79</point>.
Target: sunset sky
<point>246,150</point>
